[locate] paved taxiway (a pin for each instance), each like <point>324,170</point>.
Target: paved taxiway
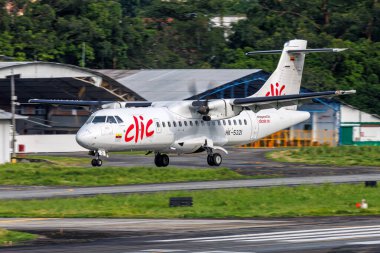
<point>331,234</point>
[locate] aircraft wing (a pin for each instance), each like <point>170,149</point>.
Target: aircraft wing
<point>259,103</point>
<point>93,103</point>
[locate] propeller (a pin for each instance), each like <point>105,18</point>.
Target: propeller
<point>201,106</point>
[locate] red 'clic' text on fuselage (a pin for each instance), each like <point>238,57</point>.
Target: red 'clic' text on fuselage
<point>141,130</point>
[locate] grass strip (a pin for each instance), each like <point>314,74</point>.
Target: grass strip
<point>321,200</point>
<point>57,175</point>
<point>9,238</point>
<point>339,156</point>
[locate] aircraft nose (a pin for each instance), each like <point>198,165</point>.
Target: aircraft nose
<point>86,137</point>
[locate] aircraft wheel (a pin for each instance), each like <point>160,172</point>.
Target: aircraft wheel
<point>210,160</point>
<point>217,159</point>
<point>94,163</point>
<point>158,160</point>
<point>99,162</point>
<point>164,160</point>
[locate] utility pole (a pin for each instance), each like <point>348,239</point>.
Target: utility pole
<point>13,110</point>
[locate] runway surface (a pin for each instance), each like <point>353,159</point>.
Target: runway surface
<point>331,234</point>
<point>45,192</point>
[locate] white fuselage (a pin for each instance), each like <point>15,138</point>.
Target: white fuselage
<point>159,129</point>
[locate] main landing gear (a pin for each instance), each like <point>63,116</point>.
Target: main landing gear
<point>214,159</point>
<point>161,160</point>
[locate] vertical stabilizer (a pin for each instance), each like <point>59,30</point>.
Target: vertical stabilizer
<point>286,79</point>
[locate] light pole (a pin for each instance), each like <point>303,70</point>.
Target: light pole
<point>13,109</point>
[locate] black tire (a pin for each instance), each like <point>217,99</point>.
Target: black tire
<point>94,163</point>
<point>164,160</point>
<point>217,159</point>
<point>99,162</point>
<point>158,160</point>
<point>210,160</point>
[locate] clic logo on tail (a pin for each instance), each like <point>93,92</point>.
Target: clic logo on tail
<point>275,91</point>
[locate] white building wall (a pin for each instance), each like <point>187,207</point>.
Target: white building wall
<point>349,114</point>
<point>48,143</point>
<point>5,141</point>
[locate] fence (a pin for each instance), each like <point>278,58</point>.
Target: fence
<point>296,138</point>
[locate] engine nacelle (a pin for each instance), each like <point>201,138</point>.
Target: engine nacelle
<point>222,109</point>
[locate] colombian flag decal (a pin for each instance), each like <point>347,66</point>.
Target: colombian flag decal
<point>118,136</point>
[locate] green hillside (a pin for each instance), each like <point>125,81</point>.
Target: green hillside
<point>134,34</point>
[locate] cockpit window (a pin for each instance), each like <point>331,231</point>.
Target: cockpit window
<point>119,120</point>
<point>99,119</point>
<point>111,119</point>
<point>89,119</point>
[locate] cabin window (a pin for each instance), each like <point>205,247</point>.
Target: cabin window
<point>90,119</point>
<point>202,123</point>
<point>208,123</point>
<point>185,122</point>
<point>191,123</point>
<point>196,123</point>
<point>111,119</point>
<point>229,122</point>
<point>245,122</point>
<point>119,120</point>
<point>219,123</point>
<point>99,119</point>
<point>239,121</point>
<point>235,122</point>
<point>174,124</point>
<point>163,124</point>
<point>224,122</point>
<point>158,124</point>
<point>213,123</point>
<point>180,123</point>
<point>169,124</point>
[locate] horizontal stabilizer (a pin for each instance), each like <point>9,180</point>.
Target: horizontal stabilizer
<point>299,51</point>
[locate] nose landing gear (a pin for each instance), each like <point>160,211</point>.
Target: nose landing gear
<point>161,160</point>
<point>97,162</point>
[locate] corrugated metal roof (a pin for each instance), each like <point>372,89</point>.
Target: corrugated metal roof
<point>175,84</point>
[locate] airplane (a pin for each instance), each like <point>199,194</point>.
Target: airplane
<point>183,127</point>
